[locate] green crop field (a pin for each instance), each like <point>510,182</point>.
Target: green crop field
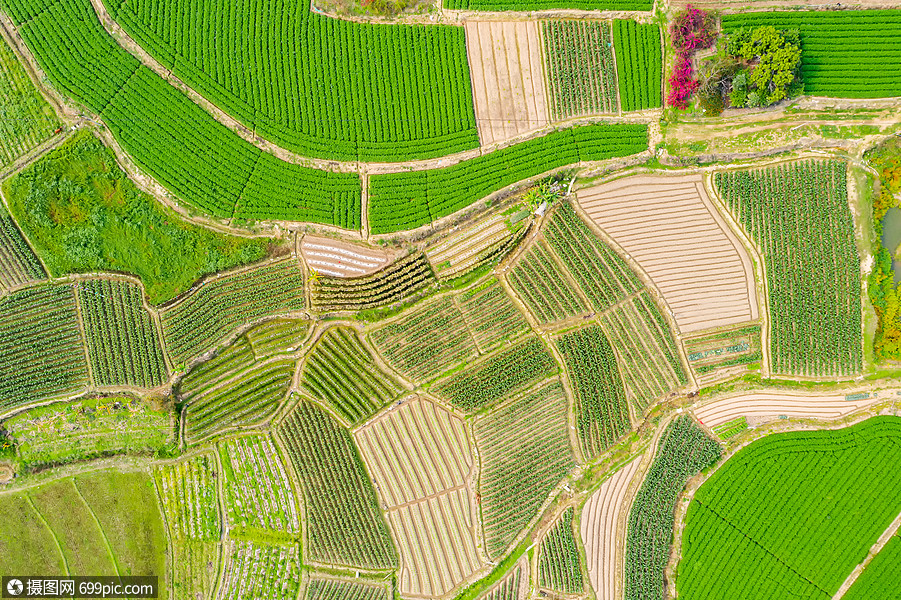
<point>639,64</point>
<point>548,4</point>
<point>110,225</point>
<point>105,522</point>
<point>490,315</point>
<point>18,263</point>
<point>123,342</point>
<point>408,200</point>
<point>559,565</point>
<point>191,326</point>
<point>544,288</point>
<point>27,118</point>
<point>341,373</point>
<point>344,523</point>
<point>846,54</point>
<point>881,578</point>
<point>507,371</point>
<point>580,67</point>
<point>525,453</point>
<point>815,481</point>
<point>600,401</point>
<point>356,79</point>
<point>427,340</point>
<point>39,330</point>
<point>799,215</point>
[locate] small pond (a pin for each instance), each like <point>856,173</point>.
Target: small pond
<point>891,238</point>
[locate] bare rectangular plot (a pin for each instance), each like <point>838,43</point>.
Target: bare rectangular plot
<point>603,530</point>
<point>671,228</point>
<point>421,463</point>
<point>761,408</point>
<point>508,80</point>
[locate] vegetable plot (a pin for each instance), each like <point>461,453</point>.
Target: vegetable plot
<point>525,452</point>
<point>342,520</point>
<point>602,415</point>
<point>18,264</point>
<point>684,450</point>
<point>169,136</point>
<point>559,565</point>
<point>501,374</point>
<point>343,375</point>
<point>798,214</point>
<point>580,70</point>
<point>530,5</point>
<point>41,347</point>
<point>639,64</point>
<point>123,343</point>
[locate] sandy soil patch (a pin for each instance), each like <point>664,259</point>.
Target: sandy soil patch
<point>671,228</point>
<point>421,463</point>
<point>603,528</point>
<point>762,408</point>
<point>508,82</point>
<point>342,259</point>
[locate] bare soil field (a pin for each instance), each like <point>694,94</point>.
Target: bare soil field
<point>508,82</point>
<point>603,528</point>
<point>342,259</point>
<point>764,407</point>
<point>421,464</point>
<point>671,228</point>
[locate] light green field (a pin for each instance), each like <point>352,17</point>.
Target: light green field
<point>101,523</point>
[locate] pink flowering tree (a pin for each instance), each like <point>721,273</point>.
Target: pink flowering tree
<point>692,29</point>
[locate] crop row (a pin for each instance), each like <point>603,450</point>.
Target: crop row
<point>491,315</point>
<point>399,281</point>
<point>224,365</point>
<point>87,428</point>
<point>525,452</point>
<point>639,64</point>
<point>258,492</point>
<point>123,343</point>
<point>195,568</point>
<point>543,286</point>
<point>580,69</point>
<point>480,385</point>
<point>341,515</point>
<point>190,499</point>
<point>510,586</point>
<point>343,375</point>
<point>601,273</point>
<point>261,572</point>
<point>559,564</point>
<point>224,303</point>
<point>245,401</point>
<point>683,451</point>
<point>602,414</point>
<point>28,119</point>
<point>277,336</point>
<point>316,85</point>
<point>740,538</point>
<point>41,347</point>
<point>18,264</point>
<point>169,136</point>
<point>320,588</point>
<point>408,200</point>
<point>427,340</point>
<point>847,54</point>
<point>649,358</point>
<point>799,216</point>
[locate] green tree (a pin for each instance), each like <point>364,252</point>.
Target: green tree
<point>775,60</point>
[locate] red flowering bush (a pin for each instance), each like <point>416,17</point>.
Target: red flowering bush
<point>692,29</point>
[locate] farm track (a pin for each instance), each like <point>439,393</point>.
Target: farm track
<point>876,549</point>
